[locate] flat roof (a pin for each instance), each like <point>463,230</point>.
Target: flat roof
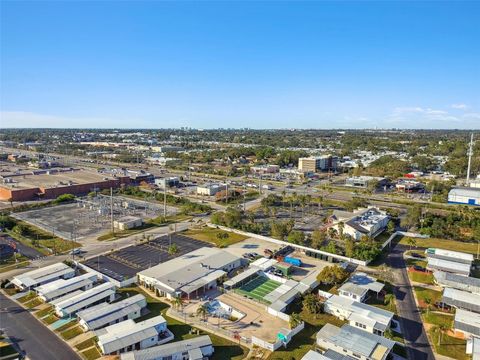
<point>85,298</point>
<point>364,313</point>
<point>460,282</point>
<point>461,299</point>
<point>190,271</point>
<point>45,274</point>
<point>163,351</point>
<point>128,332</point>
<point>467,321</point>
<point>450,254</point>
<point>56,179</point>
<point>100,314</point>
<point>357,340</point>
<point>465,191</point>
<point>446,265</point>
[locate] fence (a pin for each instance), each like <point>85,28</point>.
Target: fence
<point>403,233</point>
<point>284,243</point>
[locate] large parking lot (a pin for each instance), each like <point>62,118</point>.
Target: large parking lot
<point>127,262</point>
<point>89,217</point>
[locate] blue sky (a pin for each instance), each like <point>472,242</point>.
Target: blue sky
<point>240,64</point>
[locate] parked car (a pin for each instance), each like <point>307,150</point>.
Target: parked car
<point>418,268</point>
<point>418,256</point>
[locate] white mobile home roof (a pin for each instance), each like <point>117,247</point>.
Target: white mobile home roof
<point>164,351</point>
<point>263,263</point>
<point>43,275</point>
<point>450,254</point>
<point>60,287</point>
<point>102,314</point>
<point>191,271</point>
<point>467,321</point>
<point>460,282</point>
<point>128,332</point>
<point>448,266</point>
<point>77,302</point>
<point>461,299</point>
<point>366,314</point>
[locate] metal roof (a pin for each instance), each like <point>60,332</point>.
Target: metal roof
<point>128,332</point>
<point>313,355</point>
<point>461,299</point>
<point>350,338</point>
<point>465,191</point>
<point>460,282</point>
<point>241,277</point>
<point>186,271</point>
<point>42,275</point>
<point>448,266</point>
<point>467,321</point>
<point>103,314</point>
<point>77,302</point>
<point>163,351</point>
<point>363,313</point>
<point>456,256</point>
<point>60,287</point>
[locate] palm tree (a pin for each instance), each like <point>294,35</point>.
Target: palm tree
<point>389,301</point>
<point>412,242</point>
<point>294,320</point>
<point>177,302</point>
<point>341,226</point>
<point>202,311</point>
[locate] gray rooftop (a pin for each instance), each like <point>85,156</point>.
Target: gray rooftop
<point>467,321</point>
<point>42,275</point>
<point>163,351</point>
<point>460,282</point>
<point>461,299</point>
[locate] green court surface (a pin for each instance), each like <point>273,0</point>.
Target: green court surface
<point>258,287</point>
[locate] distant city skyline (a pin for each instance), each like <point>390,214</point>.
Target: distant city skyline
<point>269,65</point>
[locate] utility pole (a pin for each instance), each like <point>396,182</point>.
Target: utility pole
<point>469,153</point>
<point>111,211</point>
<point>165,200</point>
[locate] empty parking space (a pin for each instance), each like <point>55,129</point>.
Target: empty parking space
<point>127,262</point>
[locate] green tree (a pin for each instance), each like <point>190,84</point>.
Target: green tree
<point>318,237</point>
<point>173,249</point>
<point>296,237</point>
<point>332,275</point>
<point>202,311</point>
<point>312,304</point>
<point>294,320</point>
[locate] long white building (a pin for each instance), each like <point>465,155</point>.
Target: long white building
<point>70,305</point>
<point>34,278</point>
<point>191,349</point>
<point>58,288</point>
<point>102,315</point>
<point>366,317</point>
<point>129,335</point>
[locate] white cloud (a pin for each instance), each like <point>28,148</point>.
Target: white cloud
<point>459,106</point>
<point>401,114</point>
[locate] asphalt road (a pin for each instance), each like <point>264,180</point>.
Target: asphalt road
<point>27,251</point>
<point>31,336</point>
<point>418,347</point>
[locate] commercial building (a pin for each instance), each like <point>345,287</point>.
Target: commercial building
<point>459,282</point>
<point>34,278</point>
<point>167,182</point>
<point>365,317</point>
<point>102,315</point>
<point>449,261</point>
<point>461,299</point>
<point>70,305</point>
<point>127,222</point>
<point>467,322</point>
<point>318,163</point>
<point>265,169</point>
<point>406,185</point>
<point>189,275</point>
<point>365,181</point>
<point>210,189</point>
<point>129,335</point>
<point>191,349</point>
<point>354,342</point>
<point>467,196</point>
<point>50,183</point>
<point>359,285</point>
<point>364,222</point>
<point>58,288</point>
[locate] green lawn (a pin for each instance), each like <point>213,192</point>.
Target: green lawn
<point>224,349</point>
<point>43,312</point>
<point>416,262</point>
<point>449,346</point>
<point>27,297</point>
<point>15,262</point>
<point>424,294</point>
<point>443,244</point>
<point>66,326</point>
<point>86,344</point>
<point>91,354</point>
<point>436,318</point>
<point>71,333</point>
<point>209,234</point>
<point>33,303</point>
<point>421,277</point>
<point>305,340</point>
<point>50,319</point>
